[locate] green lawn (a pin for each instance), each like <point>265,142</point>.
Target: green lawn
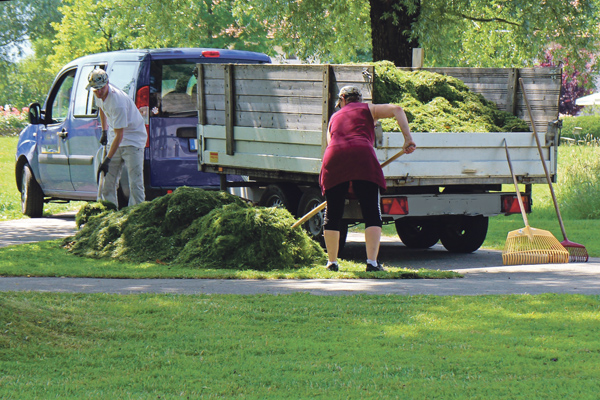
<point>298,346</point>
<point>74,346</point>
<point>10,198</point>
<point>49,259</point>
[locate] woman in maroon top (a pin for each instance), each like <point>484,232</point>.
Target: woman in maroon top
<point>350,158</point>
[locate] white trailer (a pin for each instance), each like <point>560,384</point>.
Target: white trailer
<point>269,123</point>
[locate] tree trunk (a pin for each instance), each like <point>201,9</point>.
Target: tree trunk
<point>388,39</point>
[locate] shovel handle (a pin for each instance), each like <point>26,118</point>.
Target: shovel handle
<point>99,195</point>
<point>310,214</point>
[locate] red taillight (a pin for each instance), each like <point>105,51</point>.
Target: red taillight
<point>211,54</point>
<point>510,204</point>
<point>142,102</point>
<point>394,205</point>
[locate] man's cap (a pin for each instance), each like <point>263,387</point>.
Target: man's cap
<point>348,91</point>
<point>97,79</point>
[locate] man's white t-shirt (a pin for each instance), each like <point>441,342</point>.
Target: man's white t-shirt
<point>121,112</point>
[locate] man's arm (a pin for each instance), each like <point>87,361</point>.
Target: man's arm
<point>380,111</point>
<point>103,121</point>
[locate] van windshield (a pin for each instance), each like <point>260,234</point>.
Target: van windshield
<point>173,88</point>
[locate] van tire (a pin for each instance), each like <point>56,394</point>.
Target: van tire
<point>32,196</point>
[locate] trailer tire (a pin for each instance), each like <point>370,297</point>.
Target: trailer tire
<point>281,195</point>
<point>32,196</point>
<point>464,234</point>
<point>311,198</point>
<point>417,233</point>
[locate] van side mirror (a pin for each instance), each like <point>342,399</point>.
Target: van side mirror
<point>35,114</point>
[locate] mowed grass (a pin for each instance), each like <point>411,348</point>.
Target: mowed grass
<point>50,259</point>
<point>298,346</point>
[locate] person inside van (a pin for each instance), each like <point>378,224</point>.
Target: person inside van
<point>127,134</point>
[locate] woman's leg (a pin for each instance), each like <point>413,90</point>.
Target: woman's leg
<point>336,196</point>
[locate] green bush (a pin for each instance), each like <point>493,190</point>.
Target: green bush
<point>439,103</point>
<point>12,121</point>
<point>578,187</point>
<point>590,127</point>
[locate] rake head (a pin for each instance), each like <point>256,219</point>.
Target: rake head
<point>577,252</point>
<point>533,246</point>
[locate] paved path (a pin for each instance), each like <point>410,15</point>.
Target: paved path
<point>483,272</point>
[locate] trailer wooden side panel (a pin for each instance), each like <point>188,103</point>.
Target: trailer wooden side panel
<point>269,121</point>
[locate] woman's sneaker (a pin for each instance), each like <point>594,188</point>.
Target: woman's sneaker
<point>373,268</point>
<point>333,267</point>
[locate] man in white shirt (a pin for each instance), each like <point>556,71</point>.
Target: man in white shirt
<point>128,138</point>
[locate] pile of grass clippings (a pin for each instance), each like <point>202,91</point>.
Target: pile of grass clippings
<point>439,103</point>
<point>196,228</point>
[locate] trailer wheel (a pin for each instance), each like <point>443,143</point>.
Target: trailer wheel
<point>279,195</point>
<point>310,199</point>
<point>464,234</point>
<point>417,234</point>
<point>32,196</point>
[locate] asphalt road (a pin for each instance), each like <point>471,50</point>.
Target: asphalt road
<point>483,272</point>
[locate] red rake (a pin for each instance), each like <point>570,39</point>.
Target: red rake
<point>577,252</point>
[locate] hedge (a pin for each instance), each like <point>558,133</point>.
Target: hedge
<point>589,124</point>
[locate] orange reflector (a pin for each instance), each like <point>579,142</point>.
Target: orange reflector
<point>169,191</point>
<point>510,204</point>
<point>394,205</point>
<point>211,53</point>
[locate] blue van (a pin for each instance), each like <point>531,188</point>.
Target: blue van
<point>58,154</point>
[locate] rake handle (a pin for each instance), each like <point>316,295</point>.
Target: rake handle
<point>321,206</point>
<point>539,146</point>
<point>523,213</point>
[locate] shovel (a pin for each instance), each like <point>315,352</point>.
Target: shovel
<point>577,252</point>
<point>99,195</point>
<point>321,206</point>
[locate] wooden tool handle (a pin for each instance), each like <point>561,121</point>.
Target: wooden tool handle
<point>512,173</point>
<point>321,206</point>
<point>539,146</point>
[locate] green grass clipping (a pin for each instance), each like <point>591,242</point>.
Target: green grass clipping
<point>195,228</point>
<point>439,103</point>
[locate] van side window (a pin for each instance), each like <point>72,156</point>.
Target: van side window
<point>84,99</point>
<point>122,75</point>
<point>62,98</point>
<point>174,88</point>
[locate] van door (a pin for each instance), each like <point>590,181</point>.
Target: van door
<point>84,139</point>
<point>53,156</point>
<point>173,121</point>
<point>85,151</point>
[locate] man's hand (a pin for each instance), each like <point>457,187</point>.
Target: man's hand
<point>103,168</point>
<point>104,138</point>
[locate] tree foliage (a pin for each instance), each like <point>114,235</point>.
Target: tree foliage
<point>506,33</point>
<point>26,25</point>
<point>465,33</point>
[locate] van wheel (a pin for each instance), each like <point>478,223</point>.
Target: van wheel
<point>417,234</point>
<point>314,227</point>
<point>281,195</point>
<point>32,196</point>
<point>464,234</point>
